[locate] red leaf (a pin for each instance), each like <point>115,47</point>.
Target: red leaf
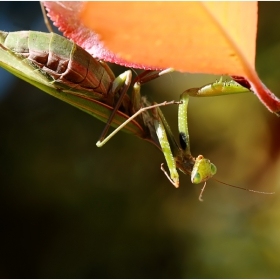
<point>65,15</point>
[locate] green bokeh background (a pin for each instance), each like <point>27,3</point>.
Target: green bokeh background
<point>71,210</point>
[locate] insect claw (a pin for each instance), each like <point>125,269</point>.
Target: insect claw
<point>174,183</point>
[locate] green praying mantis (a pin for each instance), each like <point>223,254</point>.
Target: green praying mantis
<point>59,67</point>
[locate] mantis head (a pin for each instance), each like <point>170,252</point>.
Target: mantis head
<point>203,170</point>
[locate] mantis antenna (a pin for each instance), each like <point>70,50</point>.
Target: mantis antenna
<point>248,190</point>
<point>46,20</point>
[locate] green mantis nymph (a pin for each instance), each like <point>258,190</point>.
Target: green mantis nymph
<point>179,156</point>
<point>59,67</point>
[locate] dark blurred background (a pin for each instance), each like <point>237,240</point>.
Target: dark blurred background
<point>71,210</point>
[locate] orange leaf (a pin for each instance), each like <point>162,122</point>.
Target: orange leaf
<point>208,37</point>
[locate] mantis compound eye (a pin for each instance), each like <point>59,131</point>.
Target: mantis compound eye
<point>196,179</point>
<point>213,169</point>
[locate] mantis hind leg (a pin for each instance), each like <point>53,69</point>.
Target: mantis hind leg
<point>122,83</point>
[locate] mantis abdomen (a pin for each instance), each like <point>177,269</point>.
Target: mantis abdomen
<point>62,59</point>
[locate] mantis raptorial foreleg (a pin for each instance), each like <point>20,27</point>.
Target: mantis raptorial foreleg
<point>199,168</point>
